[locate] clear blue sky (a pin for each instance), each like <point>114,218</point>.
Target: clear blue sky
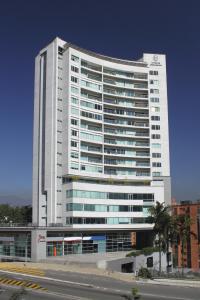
<point>123,29</point>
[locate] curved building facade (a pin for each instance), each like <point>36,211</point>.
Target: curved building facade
<point>101,145</point>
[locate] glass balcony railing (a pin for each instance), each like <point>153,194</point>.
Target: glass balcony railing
<point>125,113</point>
<point>146,154</point>
<point>119,151</point>
<point>90,75</point>
<point>91,66</point>
<point>143,174</point>
<point>143,164</point>
<point>128,75</point>
<point>125,122</point>
<point>125,103</point>
<point>142,144</point>
<point>124,84</point>
<point>91,149</point>
<point>126,93</point>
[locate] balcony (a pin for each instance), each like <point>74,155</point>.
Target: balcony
<point>118,151</point>
<point>91,66</point>
<point>142,144</point>
<point>143,174</point>
<point>85,147</point>
<point>143,164</point>
<point>145,154</point>
<point>125,84</point>
<point>125,123</point>
<point>91,95</point>
<point>125,103</point>
<point>126,113</point>
<point>90,159</point>
<point>124,93</point>
<point>117,73</point>
<point>91,75</point>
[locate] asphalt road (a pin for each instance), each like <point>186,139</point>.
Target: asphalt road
<point>76,286</point>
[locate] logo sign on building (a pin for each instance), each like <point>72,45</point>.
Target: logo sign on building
<point>155,61</point>
<point>41,238</point>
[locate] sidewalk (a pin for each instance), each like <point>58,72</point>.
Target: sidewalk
<point>75,268</point>
<point>174,282</point>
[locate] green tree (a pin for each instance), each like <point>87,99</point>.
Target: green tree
<point>182,233</point>
<point>159,216</point>
<point>15,214</point>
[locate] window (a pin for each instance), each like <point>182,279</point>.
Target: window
<point>74,111</point>
<point>155,100</point>
<point>153,72</point>
<point>154,91</point>
<point>74,133</point>
<point>155,109</point>
<point>156,174</point>
<point>155,127</point>
<point>156,155</point>
<point>74,166</point>
<point>74,90</point>
<point>156,164</point>
<point>74,144</point>
<point>74,79</point>
<point>155,136</point>
<point>74,58</point>
<point>155,118</point>
<point>74,122</point>
<point>155,82</point>
<point>74,100</point>
<point>156,145</point>
<point>74,69</point>
<point>74,155</point>
<point>74,207</point>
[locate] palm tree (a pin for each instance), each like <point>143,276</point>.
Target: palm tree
<point>182,233</point>
<point>160,217</point>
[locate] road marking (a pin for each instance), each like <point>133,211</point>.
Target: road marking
<point>18,283</point>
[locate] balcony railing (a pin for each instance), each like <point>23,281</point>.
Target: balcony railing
<point>117,122</point>
<point>125,93</point>
<point>125,113</point>
<point>142,154</point>
<point>126,84</point>
<point>125,103</point>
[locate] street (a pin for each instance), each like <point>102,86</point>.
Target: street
<point>76,286</point>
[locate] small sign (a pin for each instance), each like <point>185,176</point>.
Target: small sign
<point>41,238</point>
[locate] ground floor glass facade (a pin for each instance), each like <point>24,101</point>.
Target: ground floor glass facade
<point>94,243</point>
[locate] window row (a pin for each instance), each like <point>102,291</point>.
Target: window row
<point>104,208</point>
<point>105,195</point>
<point>155,136</point>
<point>156,164</point>
<point>155,118</point>
<point>110,221</point>
<point>152,72</point>
<point>155,100</point>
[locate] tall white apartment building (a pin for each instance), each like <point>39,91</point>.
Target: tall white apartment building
<point>101,143</point>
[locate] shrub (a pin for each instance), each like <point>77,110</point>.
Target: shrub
<point>144,273</point>
<point>147,251</point>
<point>133,253</point>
